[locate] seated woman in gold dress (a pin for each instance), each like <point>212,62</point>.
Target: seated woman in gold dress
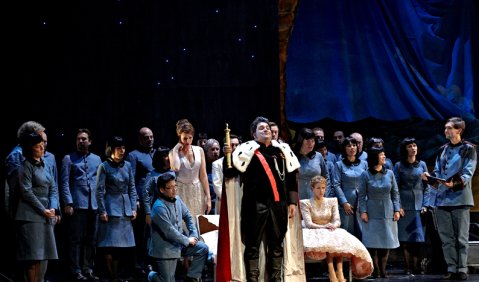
<point>323,238</point>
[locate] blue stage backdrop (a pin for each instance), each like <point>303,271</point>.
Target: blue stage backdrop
<point>388,60</point>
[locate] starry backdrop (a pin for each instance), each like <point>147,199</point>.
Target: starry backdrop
<point>117,65</point>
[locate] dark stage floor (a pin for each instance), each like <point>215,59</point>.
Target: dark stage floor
<point>314,271</point>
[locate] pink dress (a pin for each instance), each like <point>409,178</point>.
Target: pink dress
<point>319,241</point>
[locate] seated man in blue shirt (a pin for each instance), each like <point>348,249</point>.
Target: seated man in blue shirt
<point>168,241</point>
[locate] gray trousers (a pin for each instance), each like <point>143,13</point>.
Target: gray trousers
<point>165,268</point>
<point>453,228</point>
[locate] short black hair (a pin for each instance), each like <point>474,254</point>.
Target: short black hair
<point>158,157</point>
<point>373,157</point>
<point>303,134</point>
<point>403,147</point>
<point>348,140</point>
<point>163,179</point>
<point>255,123</point>
<point>112,143</point>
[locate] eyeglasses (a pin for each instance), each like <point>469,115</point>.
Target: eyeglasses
<point>171,187</point>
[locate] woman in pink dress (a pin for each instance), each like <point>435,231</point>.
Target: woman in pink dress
<point>322,237</point>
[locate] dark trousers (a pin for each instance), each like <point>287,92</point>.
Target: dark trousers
<point>141,231</point>
<point>82,234</point>
<point>269,220</point>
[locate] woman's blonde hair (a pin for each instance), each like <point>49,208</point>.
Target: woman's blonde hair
<point>317,179</point>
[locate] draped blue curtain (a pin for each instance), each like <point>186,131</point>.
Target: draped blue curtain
<point>389,60</point>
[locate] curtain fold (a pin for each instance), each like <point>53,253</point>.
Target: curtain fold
<point>389,60</point>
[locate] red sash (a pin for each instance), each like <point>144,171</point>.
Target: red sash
<point>269,173</point>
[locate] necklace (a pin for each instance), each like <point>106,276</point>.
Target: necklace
<point>280,173</point>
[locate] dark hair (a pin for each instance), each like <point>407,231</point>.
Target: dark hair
<point>163,179</point>
<point>113,142</point>
<point>158,157</point>
<point>373,140</point>
<point>202,135</point>
<point>27,140</point>
<point>319,144</point>
<point>255,123</point>
<point>303,134</point>
<point>84,130</point>
<point>233,136</point>
<point>373,157</point>
<point>347,141</point>
<point>403,147</point>
<point>457,123</point>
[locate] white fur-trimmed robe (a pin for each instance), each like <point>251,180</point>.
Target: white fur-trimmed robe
<point>293,263</point>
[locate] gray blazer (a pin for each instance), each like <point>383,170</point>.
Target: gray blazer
<point>115,192</point>
<point>78,180</point>
<point>168,237</point>
<point>39,191</point>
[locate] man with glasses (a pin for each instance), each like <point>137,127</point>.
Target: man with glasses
<point>168,240</point>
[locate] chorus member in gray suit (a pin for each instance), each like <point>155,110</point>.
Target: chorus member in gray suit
<point>141,164</point>
<point>78,191</point>
<point>319,133</point>
<point>410,177</point>
<point>38,210</point>
<point>312,163</point>
<point>329,159</point>
<point>212,153</point>
<point>362,155</point>
<point>161,165</point>
<point>379,205</point>
<point>168,240</point>
<point>346,180</point>
<point>13,162</point>
<point>456,163</point>
<point>376,142</point>
<point>49,158</point>
<point>116,197</point>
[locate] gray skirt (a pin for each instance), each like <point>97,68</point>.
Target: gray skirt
<point>380,234</point>
<point>36,241</point>
<point>410,227</point>
<point>117,232</point>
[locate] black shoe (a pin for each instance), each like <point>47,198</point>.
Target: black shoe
<point>79,277</point>
<point>90,276</point>
<point>462,276</point>
<point>449,276</point>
